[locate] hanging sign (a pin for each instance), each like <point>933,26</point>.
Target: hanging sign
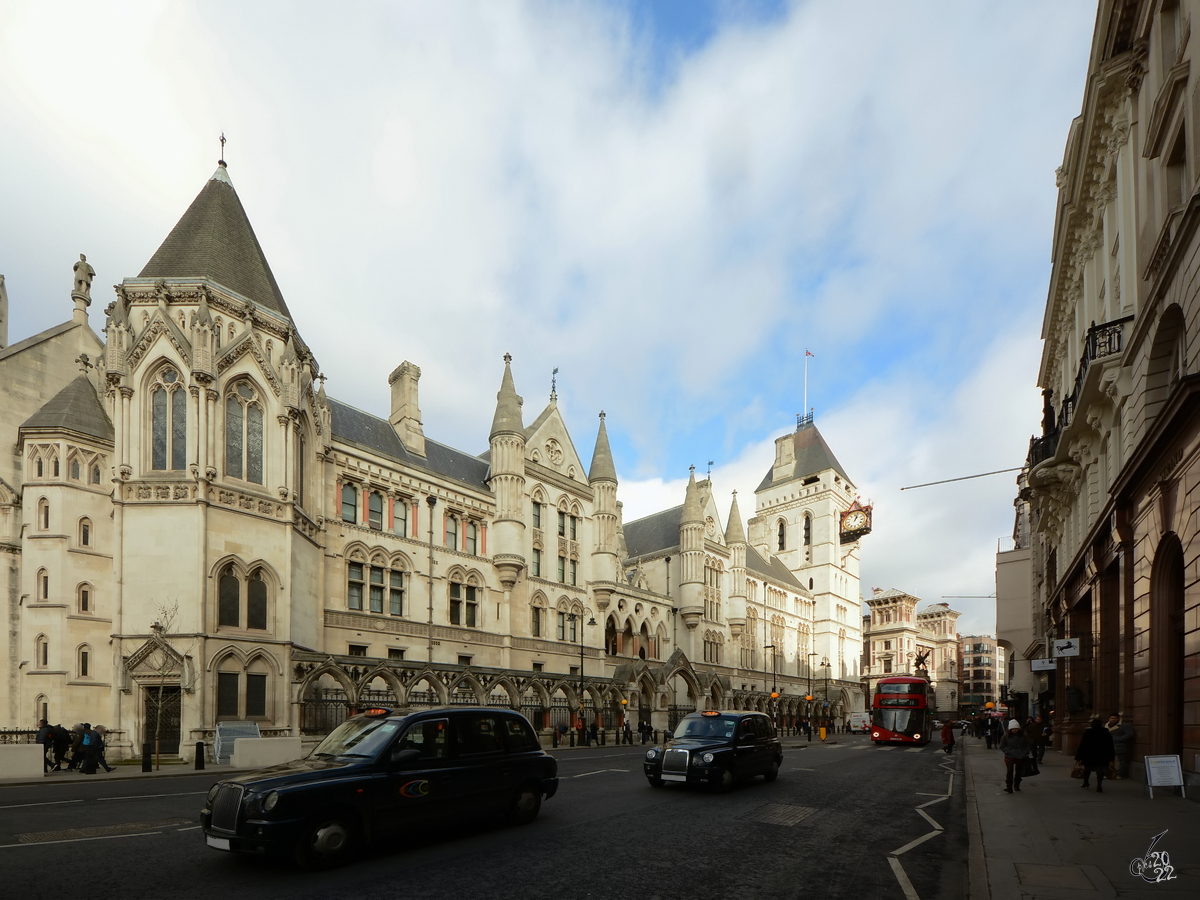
<point>1042,665</point>
<point>1066,647</point>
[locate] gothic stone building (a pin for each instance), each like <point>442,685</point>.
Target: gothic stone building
<point>195,531</point>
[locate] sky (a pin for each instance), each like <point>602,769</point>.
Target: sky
<point>667,201</point>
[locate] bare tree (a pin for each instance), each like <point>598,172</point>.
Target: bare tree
<point>167,663</point>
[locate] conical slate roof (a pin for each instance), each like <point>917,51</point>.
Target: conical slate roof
<point>508,405</point>
<point>75,408</point>
<point>214,240</point>
<point>691,502</point>
<point>812,456</point>
<point>602,461</point>
<point>734,533</point>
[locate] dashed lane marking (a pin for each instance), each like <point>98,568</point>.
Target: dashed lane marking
<point>51,837</point>
<point>103,837</point>
<point>597,772</point>
<point>47,803</point>
<point>151,796</point>
<point>902,877</point>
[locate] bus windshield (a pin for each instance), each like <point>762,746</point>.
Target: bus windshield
<point>900,721</point>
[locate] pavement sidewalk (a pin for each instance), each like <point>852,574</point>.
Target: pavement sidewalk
<point>1055,841</point>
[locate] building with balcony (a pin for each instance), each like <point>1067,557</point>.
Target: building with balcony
<point>982,673</point>
<point>1114,529</point>
<point>195,531</point>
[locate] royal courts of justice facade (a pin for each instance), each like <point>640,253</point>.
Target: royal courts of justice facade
<point>193,531</point>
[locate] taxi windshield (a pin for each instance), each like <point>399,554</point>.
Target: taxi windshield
<point>706,727</point>
<point>357,737</point>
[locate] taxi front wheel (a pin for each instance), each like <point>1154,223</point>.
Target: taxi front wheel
<point>325,841</point>
<point>525,804</point>
<point>772,771</point>
<point>725,785</point>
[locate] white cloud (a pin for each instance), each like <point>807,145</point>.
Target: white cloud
<point>448,182</point>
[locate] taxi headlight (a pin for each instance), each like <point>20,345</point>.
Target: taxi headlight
<point>706,758</point>
<point>652,754</point>
<point>270,801</point>
<point>212,793</point>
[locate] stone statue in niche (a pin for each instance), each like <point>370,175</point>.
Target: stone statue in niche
<point>84,274</point>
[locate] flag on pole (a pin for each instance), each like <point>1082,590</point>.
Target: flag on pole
<point>810,353</point>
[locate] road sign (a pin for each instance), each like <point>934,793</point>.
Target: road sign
<point>1066,647</point>
<point>1042,665</point>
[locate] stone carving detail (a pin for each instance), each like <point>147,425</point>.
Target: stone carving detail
<point>554,452</point>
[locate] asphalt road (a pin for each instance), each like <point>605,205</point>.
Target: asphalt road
<point>826,828</point>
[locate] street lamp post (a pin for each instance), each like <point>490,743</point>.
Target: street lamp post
<point>572,617</point>
<point>808,698</point>
<point>826,665</point>
<point>774,684</point>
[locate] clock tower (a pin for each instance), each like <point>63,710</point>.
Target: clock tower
<point>809,518</point>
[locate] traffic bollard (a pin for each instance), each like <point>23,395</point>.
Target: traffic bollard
<point>147,757</point>
<point>199,756</point>
<point>572,738</point>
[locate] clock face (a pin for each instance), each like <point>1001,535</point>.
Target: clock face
<point>856,520</point>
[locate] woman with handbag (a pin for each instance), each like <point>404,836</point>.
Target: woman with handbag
<point>1015,747</point>
<point>1096,753</point>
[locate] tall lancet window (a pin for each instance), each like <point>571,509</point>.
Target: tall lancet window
<point>168,414</point>
<point>244,434</point>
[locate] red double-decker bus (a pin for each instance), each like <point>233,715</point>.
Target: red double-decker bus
<point>900,710</point>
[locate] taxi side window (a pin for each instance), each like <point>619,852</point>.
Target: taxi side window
<point>477,733</point>
<point>747,729</point>
<point>762,727</point>
<point>519,735</point>
<point>429,737</point>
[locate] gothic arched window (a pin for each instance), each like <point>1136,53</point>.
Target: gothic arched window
<point>349,503</point>
<point>256,601</point>
<point>782,534</point>
<point>807,530</point>
<point>244,433</point>
<point>168,421</point>
<point>375,510</point>
<point>229,603</point>
<point>95,474</point>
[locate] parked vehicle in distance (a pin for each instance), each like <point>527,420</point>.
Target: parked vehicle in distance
<point>384,775</point>
<point>716,749</point>
<point>859,721</point>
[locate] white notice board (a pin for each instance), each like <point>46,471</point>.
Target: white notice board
<point>1164,771</point>
<point>1042,665</point>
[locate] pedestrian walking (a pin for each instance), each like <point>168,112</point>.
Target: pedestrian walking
<point>62,744</point>
<point>45,737</point>
<point>1122,735</point>
<point>1096,752</point>
<point>628,733</point>
<point>948,737</point>
<point>76,763</point>
<point>88,744</point>
<point>1015,747</point>
<point>593,733</point>
<point>987,734</point>
<point>101,745</point>
<point>1043,739</point>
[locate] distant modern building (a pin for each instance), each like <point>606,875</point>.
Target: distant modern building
<point>983,669</point>
<point>1115,517</point>
<point>899,640</point>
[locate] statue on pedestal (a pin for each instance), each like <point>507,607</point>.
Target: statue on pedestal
<point>84,274</point>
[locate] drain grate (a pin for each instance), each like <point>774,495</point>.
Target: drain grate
<point>66,834</point>
<point>779,814</point>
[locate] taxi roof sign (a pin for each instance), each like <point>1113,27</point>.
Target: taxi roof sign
<point>710,712</point>
<point>376,711</point>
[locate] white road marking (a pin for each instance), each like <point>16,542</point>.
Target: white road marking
<point>597,772</point>
<point>190,828</point>
<point>103,837</point>
<point>915,843</point>
<point>914,749</point>
<point>902,877</point>
<point>928,818</point>
<point>149,796</point>
<point>47,803</point>
<point>931,802</point>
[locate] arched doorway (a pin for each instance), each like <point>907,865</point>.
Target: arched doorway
<point>1166,648</point>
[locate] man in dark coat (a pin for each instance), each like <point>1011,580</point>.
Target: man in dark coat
<point>45,738</point>
<point>1122,735</point>
<point>62,743</point>
<point>1096,753</point>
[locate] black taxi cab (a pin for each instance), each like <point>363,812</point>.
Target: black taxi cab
<point>384,775</point>
<point>716,749</point>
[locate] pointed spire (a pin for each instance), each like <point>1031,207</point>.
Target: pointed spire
<point>602,461</point>
<point>691,501</point>
<point>508,404</point>
<point>322,399</point>
<point>734,533</point>
<point>203,314</point>
<point>289,350</point>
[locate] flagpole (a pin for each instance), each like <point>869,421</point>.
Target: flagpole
<point>804,408</point>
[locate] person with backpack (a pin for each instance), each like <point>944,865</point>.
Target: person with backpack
<point>89,743</point>
<point>101,732</point>
<point>76,748</point>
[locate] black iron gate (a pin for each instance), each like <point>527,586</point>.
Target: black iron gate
<point>561,713</point>
<point>675,713</point>
<point>535,713</point>
<point>163,717</point>
<point>322,716</point>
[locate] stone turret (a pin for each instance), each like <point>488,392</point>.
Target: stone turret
<point>507,476</point>
<point>691,556</point>
<point>603,479</point>
<point>735,539</point>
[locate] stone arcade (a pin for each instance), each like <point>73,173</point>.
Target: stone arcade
<point>194,531</point>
